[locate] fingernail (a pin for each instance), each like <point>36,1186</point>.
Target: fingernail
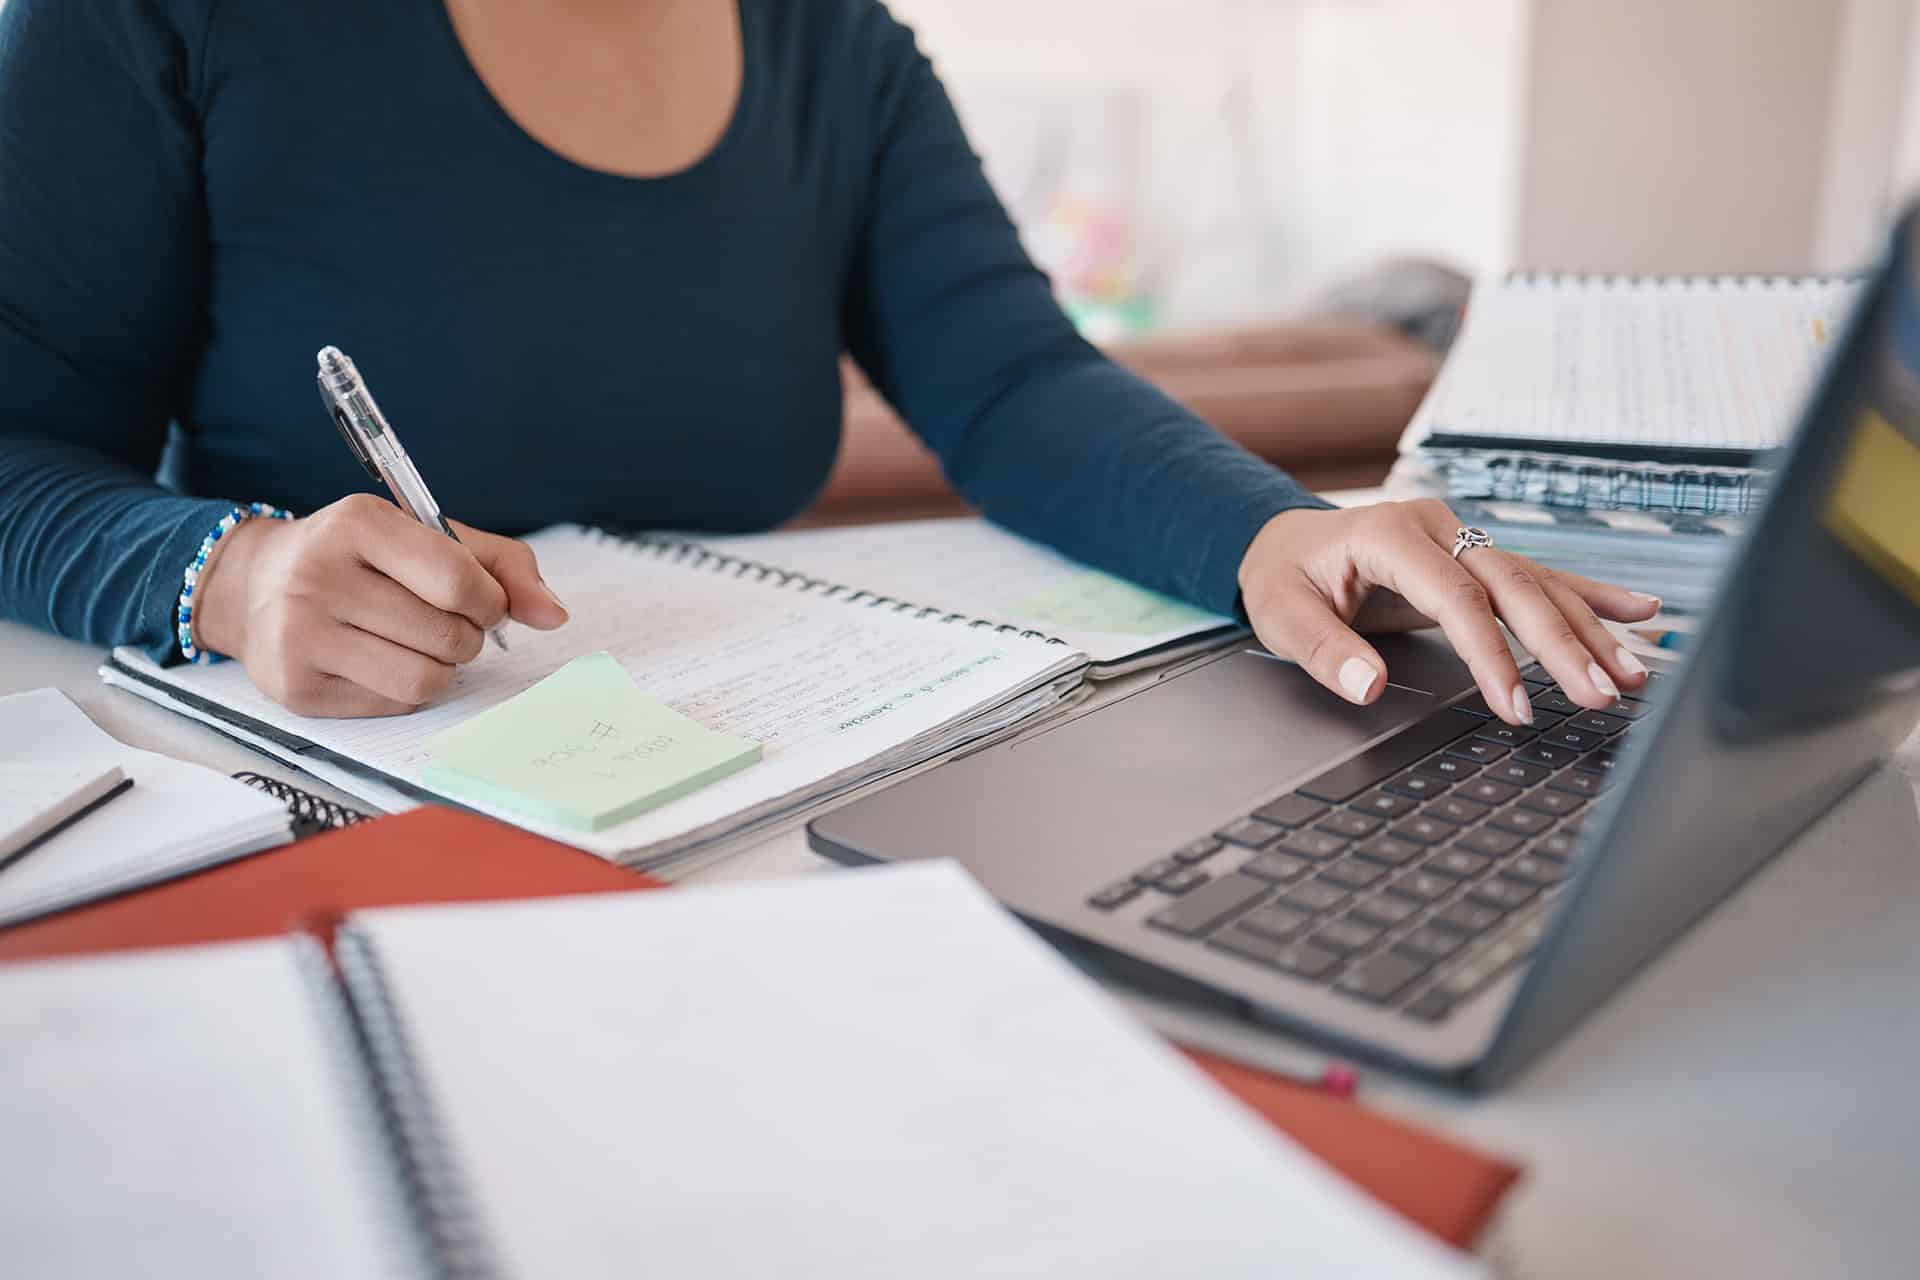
<point>1522,706</point>
<point>1628,663</point>
<point>1357,677</point>
<point>556,599</point>
<point>1641,595</point>
<point>1601,681</point>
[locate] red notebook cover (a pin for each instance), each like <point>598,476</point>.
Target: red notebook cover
<point>442,855</point>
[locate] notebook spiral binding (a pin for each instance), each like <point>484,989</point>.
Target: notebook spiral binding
<point>693,554</point>
<point>311,813</point>
<point>1605,486</point>
<point>1614,280</point>
<point>443,1207</point>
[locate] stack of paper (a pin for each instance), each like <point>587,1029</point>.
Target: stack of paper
<point>177,817</point>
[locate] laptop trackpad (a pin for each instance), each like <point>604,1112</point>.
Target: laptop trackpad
<point>1137,778</point>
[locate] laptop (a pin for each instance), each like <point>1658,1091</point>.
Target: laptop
<point>1417,884</point>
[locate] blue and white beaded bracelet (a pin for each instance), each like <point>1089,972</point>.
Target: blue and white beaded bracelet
<point>191,579</point>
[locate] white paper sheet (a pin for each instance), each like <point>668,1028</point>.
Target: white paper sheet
<point>176,817</point>
<point>971,567</point>
<point>871,1073</point>
<point>186,1113</point>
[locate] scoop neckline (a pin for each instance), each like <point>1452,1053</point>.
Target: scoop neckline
<point>539,153</point>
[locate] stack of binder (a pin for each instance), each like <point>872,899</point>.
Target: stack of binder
<point>1621,428</point>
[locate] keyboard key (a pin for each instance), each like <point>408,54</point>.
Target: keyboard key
<point>1380,978</point>
<point>1485,792</point>
<point>1275,921</point>
<point>1477,749</point>
<point>1291,811</point>
<point>1391,850</point>
<point>1349,825</point>
<point>1556,702</point>
<point>1581,784</point>
<point>1551,757</point>
<point>1458,863</point>
<point>1208,905</point>
<point>1595,722</point>
<point>1422,886</point>
<point>1154,870</point>
<point>1314,895</point>
<point>1382,804</point>
<point>1628,708</point>
<point>1317,845</point>
<point>1573,739</point>
<point>1490,842</point>
<point>1504,894</point>
<point>1506,735</point>
<point>1277,867</point>
<point>1547,800</point>
<point>1120,891</point>
<point>1448,768</point>
<point>1540,872</point>
<point>1424,830</point>
<point>1523,822</point>
<point>1468,917</point>
<point>1385,910</point>
<point>1181,881</point>
<point>1576,825</point>
<point>1353,873</point>
<point>1197,850</point>
<point>1383,760</point>
<point>1516,773</point>
<point>1598,762</point>
<point>1430,1006</point>
<point>1417,786</point>
<point>1346,936</point>
<point>1559,846</point>
<point>1250,832</point>
<point>1537,676</point>
<point>1457,811</point>
<point>1289,957</point>
<point>1430,943</point>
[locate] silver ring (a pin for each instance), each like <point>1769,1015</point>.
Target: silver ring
<point>1467,536</point>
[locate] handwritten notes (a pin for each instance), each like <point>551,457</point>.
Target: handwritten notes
<point>1096,601</point>
<point>584,748</point>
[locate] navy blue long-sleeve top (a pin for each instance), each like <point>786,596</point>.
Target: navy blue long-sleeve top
<point>195,197</point>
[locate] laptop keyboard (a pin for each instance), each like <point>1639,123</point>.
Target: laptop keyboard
<point>1412,875</point>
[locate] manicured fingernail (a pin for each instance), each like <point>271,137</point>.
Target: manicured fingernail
<point>1601,681</point>
<point>1522,706</point>
<point>1641,595</point>
<point>1357,677</point>
<point>556,599</point>
<point>1625,660</point>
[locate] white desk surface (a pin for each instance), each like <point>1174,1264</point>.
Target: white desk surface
<point>1746,1108</point>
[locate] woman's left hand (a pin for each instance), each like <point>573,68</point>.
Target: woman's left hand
<point>1312,580</point>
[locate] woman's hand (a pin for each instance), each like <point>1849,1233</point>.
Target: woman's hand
<point>360,610</point>
<point>1311,578</point>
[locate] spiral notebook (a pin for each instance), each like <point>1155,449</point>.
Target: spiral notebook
<point>839,687</point>
<point>1622,393</point>
<point>499,1089</point>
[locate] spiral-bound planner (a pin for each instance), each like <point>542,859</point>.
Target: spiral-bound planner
<point>839,686</point>
<point>1659,394</point>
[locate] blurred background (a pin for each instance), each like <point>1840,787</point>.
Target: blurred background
<point>1195,163</point>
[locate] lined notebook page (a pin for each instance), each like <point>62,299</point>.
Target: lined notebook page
<point>1690,364</point>
<point>853,1074</point>
<point>971,567</point>
<point>822,685</point>
<point>188,1112</point>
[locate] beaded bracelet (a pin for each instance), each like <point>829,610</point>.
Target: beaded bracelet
<point>228,523</point>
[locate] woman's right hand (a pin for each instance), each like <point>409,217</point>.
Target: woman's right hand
<point>360,610</point>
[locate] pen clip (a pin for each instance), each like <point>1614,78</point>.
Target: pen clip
<point>352,438</point>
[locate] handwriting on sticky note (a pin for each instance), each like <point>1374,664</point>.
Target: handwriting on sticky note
<point>1096,601</point>
<point>585,748</point>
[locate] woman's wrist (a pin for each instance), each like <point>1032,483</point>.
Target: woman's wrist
<point>219,616</point>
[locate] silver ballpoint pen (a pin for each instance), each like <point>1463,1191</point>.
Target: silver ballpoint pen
<point>366,432</point>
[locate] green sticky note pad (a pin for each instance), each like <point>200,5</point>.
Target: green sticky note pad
<point>1096,601</point>
<point>584,748</point>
